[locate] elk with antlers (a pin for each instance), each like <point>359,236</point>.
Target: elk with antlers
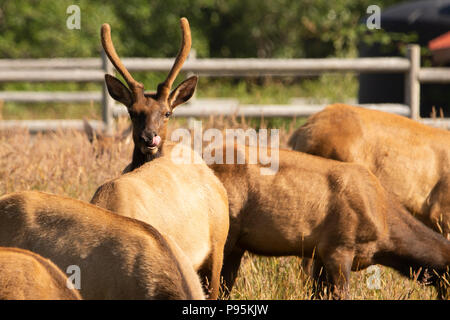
<point>118,257</point>
<point>411,160</point>
<point>149,112</point>
<point>185,202</point>
<point>25,275</point>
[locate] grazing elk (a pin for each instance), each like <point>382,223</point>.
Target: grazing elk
<point>25,275</point>
<point>411,160</point>
<point>337,212</point>
<point>118,257</point>
<point>185,202</point>
<point>104,142</point>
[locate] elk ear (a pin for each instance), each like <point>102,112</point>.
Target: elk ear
<point>183,92</point>
<point>118,91</point>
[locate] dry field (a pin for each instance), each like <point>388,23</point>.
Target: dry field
<point>66,163</point>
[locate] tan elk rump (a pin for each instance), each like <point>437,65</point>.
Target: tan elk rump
<point>185,202</point>
<point>119,258</point>
<point>411,160</point>
<point>25,275</point>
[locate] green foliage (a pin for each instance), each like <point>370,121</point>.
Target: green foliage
<point>220,28</point>
<point>37,28</point>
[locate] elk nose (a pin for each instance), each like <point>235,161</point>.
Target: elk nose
<point>148,137</point>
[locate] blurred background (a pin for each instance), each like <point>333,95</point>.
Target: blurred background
<point>222,29</point>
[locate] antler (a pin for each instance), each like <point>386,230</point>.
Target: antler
<point>136,87</point>
<point>164,88</point>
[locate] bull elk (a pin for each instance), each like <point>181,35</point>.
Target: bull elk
<point>185,202</point>
<point>149,112</point>
<point>25,275</point>
<point>118,257</point>
<point>411,160</point>
<point>337,212</point>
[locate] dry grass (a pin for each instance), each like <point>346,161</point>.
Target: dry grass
<point>283,279</point>
<point>66,163</point>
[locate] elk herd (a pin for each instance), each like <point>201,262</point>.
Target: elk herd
<point>359,188</point>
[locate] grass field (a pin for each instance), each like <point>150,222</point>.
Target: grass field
<point>66,163</point>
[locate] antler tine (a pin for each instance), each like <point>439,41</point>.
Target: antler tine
<point>164,88</point>
<point>108,46</point>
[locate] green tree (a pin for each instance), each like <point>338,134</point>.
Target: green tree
<point>37,28</point>
<point>220,28</point>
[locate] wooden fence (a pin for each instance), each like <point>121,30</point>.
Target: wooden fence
<point>93,70</point>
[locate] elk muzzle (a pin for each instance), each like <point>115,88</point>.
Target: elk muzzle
<point>150,142</point>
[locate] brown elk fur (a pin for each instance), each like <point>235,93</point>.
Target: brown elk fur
<point>25,275</point>
<point>119,258</point>
<point>411,160</point>
<point>337,212</point>
<point>185,202</point>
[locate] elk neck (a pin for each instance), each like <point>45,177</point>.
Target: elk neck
<point>140,158</point>
<point>413,246</point>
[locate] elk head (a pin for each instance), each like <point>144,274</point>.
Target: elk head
<point>149,112</point>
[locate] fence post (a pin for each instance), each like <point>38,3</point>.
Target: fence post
<point>107,101</point>
<point>412,83</point>
<point>192,56</point>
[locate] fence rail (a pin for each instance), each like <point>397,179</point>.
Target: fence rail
<point>53,96</point>
<point>93,70</point>
<point>49,125</point>
<point>240,67</point>
<point>434,75</point>
<point>69,75</point>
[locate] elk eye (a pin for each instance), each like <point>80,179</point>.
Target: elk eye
<point>168,114</point>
